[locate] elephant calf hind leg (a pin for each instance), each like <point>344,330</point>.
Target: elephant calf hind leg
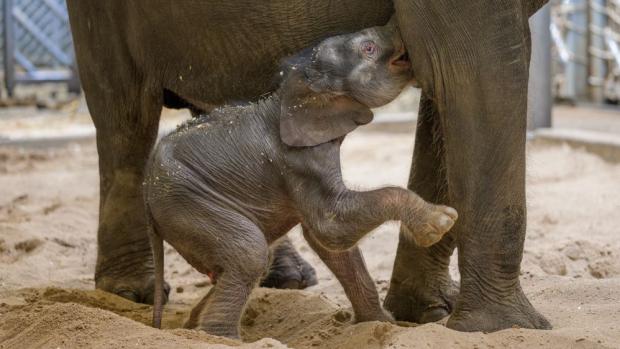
<point>194,316</point>
<point>243,257</point>
<point>220,311</point>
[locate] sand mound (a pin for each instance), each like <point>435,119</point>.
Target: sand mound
<point>77,319</point>
<point>70,325</point>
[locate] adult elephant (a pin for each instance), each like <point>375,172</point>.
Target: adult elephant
<point>471,59</point>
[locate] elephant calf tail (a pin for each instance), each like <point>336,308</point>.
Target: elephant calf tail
<point>157,244</point>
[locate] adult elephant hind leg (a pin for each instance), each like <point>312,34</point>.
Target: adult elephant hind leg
<point>125,110</point>
<point>126,119</point>
<point>473,58</point>
<point>288,269</point>
<point>349,268</point>
<point>421,289</point>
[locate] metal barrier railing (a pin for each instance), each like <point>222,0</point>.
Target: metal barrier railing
<point>37,44</point>
<point>37,47</point>
<point>586,50</point>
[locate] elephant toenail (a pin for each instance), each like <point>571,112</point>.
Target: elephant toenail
<point>127,294</point>
<point>433,314</point>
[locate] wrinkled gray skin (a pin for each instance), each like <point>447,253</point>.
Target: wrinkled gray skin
<point>225,186</point>
<point>470,58</point>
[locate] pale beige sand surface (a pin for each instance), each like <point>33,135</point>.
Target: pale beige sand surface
<point>48,218</point>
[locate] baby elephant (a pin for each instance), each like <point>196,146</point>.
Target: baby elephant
<point>225,186</point>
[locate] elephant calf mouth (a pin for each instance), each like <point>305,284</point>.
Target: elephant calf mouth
<point>402,60</point>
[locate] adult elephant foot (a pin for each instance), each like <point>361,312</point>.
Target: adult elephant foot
<point>136,288</point>
<point>288,270</point>
<point>421,289</point>
<point>420,302</point>
<point>124,258</point>
<point>489,317</point>
<point>125,266</point>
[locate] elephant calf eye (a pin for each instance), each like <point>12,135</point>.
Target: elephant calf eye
<point>368,48</point>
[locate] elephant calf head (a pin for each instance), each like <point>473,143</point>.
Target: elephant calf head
<point>224,187</point>
<point>329,89</point>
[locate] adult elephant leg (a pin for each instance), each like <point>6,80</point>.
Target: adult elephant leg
<point>127,126</point>
<point>288,269</point>
<point>421,289</point>
<point>125,109</point>
<point>472,59</point>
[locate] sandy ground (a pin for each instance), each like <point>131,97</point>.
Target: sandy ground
<point>48,215</point>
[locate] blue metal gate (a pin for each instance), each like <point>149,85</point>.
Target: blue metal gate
<point>37,45</point>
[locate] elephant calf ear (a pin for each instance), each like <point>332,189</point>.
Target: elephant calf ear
<point>312,120</point>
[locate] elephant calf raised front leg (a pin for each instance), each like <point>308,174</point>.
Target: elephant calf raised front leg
<point>354,214</point>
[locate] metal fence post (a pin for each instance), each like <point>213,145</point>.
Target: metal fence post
<point>598,64</point>
<point>539,87</point>
<point>576,69</point>
<point>9,47</point>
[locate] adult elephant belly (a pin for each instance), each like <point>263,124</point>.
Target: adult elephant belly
<point>136,56</point>
<point>215,52</point>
